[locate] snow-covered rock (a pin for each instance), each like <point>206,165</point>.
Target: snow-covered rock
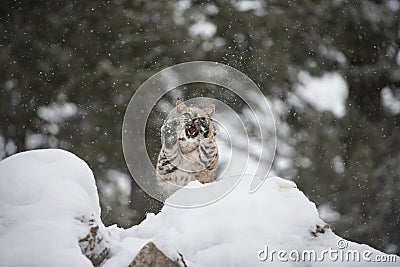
<point>48,199</point>
<point>244,229</point>
<point>48,203</point>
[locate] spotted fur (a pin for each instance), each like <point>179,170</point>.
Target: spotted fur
<point>188,151</point>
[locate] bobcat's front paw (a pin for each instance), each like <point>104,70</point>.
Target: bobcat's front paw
<point>169,135</point>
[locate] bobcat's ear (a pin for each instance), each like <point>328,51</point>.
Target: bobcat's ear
<point>210,109</point>
<point>181,107</point>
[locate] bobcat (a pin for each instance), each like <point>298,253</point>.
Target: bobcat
<point>188,148</point>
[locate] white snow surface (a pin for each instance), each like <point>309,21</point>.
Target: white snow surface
<point>42,192</point>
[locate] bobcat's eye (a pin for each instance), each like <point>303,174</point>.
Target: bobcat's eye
<point>200,120</point>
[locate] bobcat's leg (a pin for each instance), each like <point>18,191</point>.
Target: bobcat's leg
<point>208,153</point>
<point>166,174</point>
<point>168,159</point>
<point>164,165</point>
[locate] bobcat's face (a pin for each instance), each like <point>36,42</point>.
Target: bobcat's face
<point>198,122</point>
<point>196,126</point>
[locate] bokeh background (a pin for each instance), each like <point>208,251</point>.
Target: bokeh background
<point>331,69</point>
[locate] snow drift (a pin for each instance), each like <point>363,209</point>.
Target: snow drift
<point>49,201</point>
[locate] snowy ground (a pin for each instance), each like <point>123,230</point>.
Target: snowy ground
<point>44,194</point>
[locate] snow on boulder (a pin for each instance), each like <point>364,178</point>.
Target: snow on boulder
<point>49,211</point>
<point>50,216</point>
<point>244,229</point>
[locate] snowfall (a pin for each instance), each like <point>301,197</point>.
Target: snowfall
<point>46,196</point>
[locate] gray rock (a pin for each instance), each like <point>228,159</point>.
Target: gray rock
<point>151,256</point>
<point>94,245</point>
